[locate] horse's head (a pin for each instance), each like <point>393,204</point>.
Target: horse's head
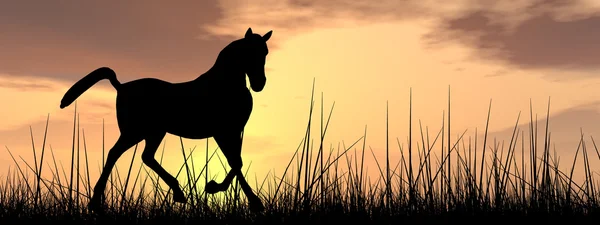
<point>254,56</point>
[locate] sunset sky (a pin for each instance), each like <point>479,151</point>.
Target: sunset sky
<point>361,56</point>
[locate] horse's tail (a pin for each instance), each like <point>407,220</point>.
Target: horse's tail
<point>88,81</point>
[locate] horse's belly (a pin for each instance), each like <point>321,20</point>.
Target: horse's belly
<point>193,124</point>
<point>206,122</point>
<point>198,134</point>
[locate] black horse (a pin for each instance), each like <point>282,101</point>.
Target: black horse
<point>148,109</point>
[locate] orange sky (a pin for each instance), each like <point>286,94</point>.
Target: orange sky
<point>361,56</point>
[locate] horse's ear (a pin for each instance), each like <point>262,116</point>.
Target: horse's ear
<point>248,32</point>
<point>267,35</point>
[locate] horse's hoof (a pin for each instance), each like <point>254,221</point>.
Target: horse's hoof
<point>211,187</point>
<point>256,206</point>
<point>95,205</point>
<point>179,196</point>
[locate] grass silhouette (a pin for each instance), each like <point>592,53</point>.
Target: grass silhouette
<point>465,183</point>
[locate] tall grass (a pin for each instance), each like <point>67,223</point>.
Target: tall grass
<point>321,184</point>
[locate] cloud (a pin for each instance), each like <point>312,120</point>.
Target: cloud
<point>291,17</point>
<point>25,84</point>
<point>29,99</point>
<point>539,35</point>
<point>565,126</point>
<point>67,41</point>
<point>497,73</point>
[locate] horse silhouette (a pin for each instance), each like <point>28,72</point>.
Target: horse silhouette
<point>147,109</point>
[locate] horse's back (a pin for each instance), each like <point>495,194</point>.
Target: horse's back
<point>143,85</point>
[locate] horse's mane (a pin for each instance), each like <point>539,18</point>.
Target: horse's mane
<point>232,48</point>
<point>228,52</point>
<point>224,59</point>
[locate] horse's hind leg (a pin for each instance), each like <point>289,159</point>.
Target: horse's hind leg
<point>231,146</point>
<point>152,144</point>
<point>124,143</point>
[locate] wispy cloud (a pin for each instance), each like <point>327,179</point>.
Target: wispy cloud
<point>28,99</point>
<point>290,17</point>
<point>29,84</point>
<point>67,41</point>
<point>543,34</point>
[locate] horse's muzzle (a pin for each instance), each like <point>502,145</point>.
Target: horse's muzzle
<point>257,84</point>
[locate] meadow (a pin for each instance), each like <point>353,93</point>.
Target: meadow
<point>519,182</point>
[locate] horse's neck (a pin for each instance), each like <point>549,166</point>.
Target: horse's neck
<point>222,77</point>
<point>224,74</point>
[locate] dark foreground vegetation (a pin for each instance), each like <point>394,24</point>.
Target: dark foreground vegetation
<point>516,182</point>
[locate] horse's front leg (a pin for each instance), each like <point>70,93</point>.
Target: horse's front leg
<point>231,146</point>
